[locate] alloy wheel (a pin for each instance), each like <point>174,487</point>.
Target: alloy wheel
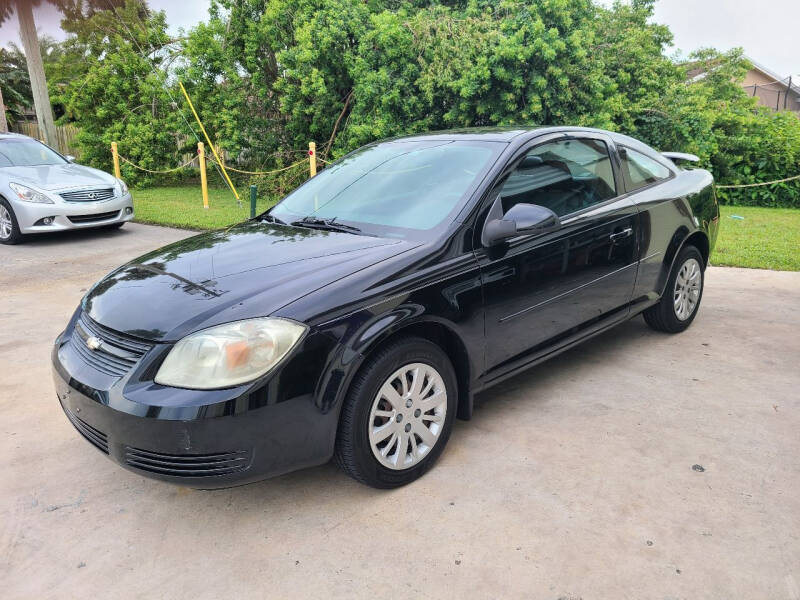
<point>687,289</point>
<point>407,416</point>
<point>6,225</point>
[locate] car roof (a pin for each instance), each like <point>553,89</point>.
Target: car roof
<point>509,134</point>
<point>13,136</point>
<point>487,134</point>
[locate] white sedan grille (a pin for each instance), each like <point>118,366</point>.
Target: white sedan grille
<point>88,195</point>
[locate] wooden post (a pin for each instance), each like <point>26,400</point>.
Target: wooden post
<point>115,154</point>
<point>312,158</point>
<point>33,58</point>
<point>3,121</point>
<point>201,154</point>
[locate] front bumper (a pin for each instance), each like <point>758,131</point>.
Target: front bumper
<point>73,215</point>
<point>201,439</point>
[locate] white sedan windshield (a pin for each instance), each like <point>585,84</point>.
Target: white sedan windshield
<point>27,153</point>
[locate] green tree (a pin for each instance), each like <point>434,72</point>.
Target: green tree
<point>15,85</point>
<point>38,82</point>
<point>741,143</point>
<point>353,71</point>
<point>630,50</point>
<point>240,117</point>
<point>124,95</point>
<point>267,76</point>
<point>390,67</point>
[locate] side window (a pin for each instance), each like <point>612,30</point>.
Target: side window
<point>640,170</point>
<point>564,175</point>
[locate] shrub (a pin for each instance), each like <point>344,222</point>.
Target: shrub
<point>269,76</point>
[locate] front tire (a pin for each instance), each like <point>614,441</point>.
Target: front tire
<point>9,227</point>
<point>681,299</point>
<point>398,414</point>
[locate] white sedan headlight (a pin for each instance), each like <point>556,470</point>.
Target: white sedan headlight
<point>230,354</point>
<point>121,187</point>
<point>29,195</point>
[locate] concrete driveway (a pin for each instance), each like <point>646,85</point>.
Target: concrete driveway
<point>639,465</point>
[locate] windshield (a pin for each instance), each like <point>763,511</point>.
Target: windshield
<point>393,188</point>
<point>27,153</point>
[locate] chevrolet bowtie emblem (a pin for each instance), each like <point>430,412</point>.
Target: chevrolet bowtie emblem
<point>93,343</point>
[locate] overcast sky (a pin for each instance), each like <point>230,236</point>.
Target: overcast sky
<point>766,29</point>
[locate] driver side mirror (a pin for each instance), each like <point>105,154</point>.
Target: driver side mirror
<point>70,158</point>
<point>521,219</point>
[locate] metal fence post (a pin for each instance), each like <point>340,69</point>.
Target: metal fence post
<point>253,189</point>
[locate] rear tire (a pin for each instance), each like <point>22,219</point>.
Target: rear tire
<point>681,298</point>
<point>9,227</point>
<point>398,414</point>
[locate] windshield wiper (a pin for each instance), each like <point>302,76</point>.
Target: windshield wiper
<point>326,224</point>
<point>273,219</point>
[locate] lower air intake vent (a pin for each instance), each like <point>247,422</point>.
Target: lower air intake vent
<point>94,218</point>
<point>188,465</point>
<point>95,436</point>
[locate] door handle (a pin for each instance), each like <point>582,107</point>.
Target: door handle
<point>621,235</point>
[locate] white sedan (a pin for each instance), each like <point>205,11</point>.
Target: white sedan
<point>42,191</point>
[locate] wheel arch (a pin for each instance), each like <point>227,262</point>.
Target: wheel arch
<point>14,220</point>
<point>365,344</point>
<point>450,342</point>
<point>680,239</point>
<point>698,239</point>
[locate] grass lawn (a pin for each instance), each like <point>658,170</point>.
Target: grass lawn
<point>183,206</point>
<point>767,238</point>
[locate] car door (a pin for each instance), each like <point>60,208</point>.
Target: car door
<point>542,291</point>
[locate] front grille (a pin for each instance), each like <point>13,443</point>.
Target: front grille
<point>116,353</point>
<point>94,218</point>
<point>88,195</point>
<point>188,465</point>
<point>95,436</point>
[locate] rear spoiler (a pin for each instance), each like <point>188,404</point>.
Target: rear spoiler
<point>676,157</point>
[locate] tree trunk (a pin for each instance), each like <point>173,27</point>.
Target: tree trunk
<point>33,56</point>
<point>3,122</point>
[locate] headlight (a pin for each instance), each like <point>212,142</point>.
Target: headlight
<point>28,195</point>
<point>230,354</point>
<point>123,189</point>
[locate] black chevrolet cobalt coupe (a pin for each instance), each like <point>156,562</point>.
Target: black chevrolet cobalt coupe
<point>357,318</point>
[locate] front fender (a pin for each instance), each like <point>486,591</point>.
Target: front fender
<point>361,333</point>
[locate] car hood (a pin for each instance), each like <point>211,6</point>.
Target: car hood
<point>250,270</point>
<point>59,177</point>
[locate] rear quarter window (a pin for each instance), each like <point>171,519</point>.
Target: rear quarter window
<point>640,170</point>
